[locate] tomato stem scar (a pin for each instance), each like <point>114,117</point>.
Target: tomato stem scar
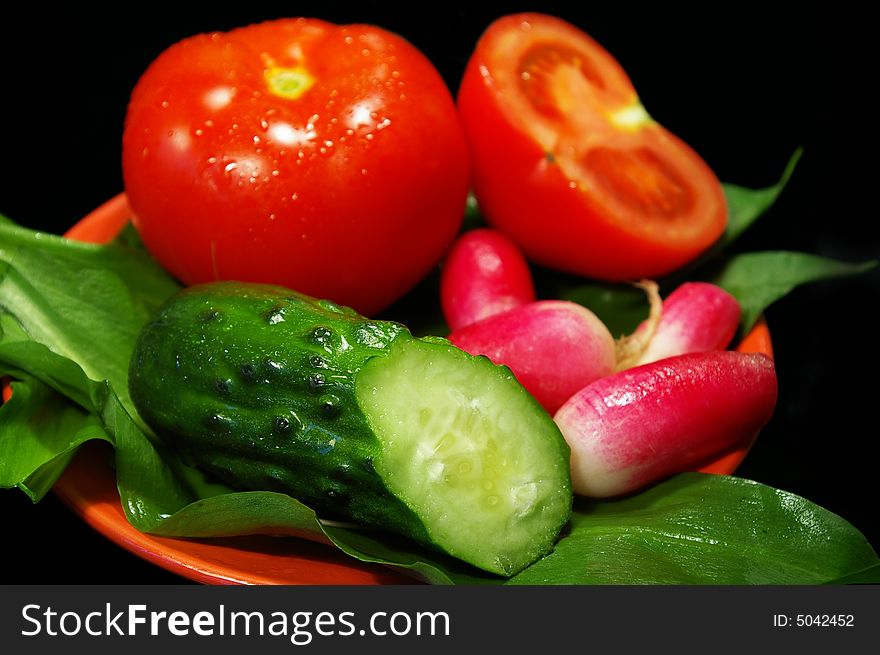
<point>290,83</point>
<point>633,117</point>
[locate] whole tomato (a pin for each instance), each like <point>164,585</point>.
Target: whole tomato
<point>568,163</point>
<point>325,158</point>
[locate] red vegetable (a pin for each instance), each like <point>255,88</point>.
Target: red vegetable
<point>640,425</point>
<point>553,347</point>
<point>568,163</point>
<point>696,317</point>
<point>483,274</point>
<point>326,158</point>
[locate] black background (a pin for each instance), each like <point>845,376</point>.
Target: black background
<point>745,83</point>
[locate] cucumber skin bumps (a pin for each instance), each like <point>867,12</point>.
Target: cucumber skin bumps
<point>269,389</point>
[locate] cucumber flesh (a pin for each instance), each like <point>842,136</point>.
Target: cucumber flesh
<point>469,451</point>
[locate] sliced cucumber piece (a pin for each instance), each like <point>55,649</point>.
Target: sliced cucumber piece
<point>268,389</point>
<point>469,451</point>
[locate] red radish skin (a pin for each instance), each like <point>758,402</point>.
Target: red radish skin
<point>483,274</point>
<point>643,424</point>
<point>696,317</point>
<point>553,347</point>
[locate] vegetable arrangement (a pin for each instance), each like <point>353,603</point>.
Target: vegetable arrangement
<point>202,391</point>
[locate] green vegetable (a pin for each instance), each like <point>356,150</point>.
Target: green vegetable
<point>271,390</point>
<point>758,279</point>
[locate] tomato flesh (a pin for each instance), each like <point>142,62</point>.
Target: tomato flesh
<point>326,158</point>
<point>640,179</point>
<point>569,164</point>
<point>545,71</point>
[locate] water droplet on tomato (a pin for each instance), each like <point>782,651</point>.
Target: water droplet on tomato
<point>218,97</point>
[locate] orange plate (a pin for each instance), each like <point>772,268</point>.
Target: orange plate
<point>88,487</point>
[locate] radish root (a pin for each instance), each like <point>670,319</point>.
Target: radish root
<point>629,348</point>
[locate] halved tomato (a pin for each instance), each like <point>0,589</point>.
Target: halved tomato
<point>569,164</point>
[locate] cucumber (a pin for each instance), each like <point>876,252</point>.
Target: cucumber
<point>272,390</point>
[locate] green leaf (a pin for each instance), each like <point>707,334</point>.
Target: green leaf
<point>39,431</point>
<point>242,513</point>
<point>64,293</point>
<point>870,575</point>
<point>746,205</point>
<point>406,557</point>
<point>759,279</point>
<point>691,529</point>
<point>621,307</point>
<point>72,312</point>
<point>24,357</point>
<point>704,529</point>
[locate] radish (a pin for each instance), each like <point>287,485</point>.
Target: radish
<point>643,424</point>
<point>483,274</point>
<point>696,317</point>
<point>553,347</point>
